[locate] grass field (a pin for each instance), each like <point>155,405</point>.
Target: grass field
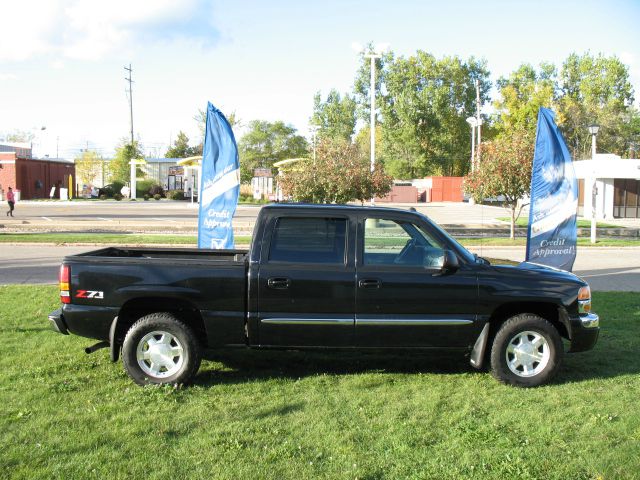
<point>304,416</point>
<point>107,238</point>
<point>524,221</point>
<point>244,240</point>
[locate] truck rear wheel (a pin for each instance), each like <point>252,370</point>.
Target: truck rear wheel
<point>526,351</point>
<point>160,349</point>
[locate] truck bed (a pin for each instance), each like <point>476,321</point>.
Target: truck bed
<point>164,254</point>
<point>108,281</point>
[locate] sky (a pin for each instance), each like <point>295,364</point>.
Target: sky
<point>62,61</point>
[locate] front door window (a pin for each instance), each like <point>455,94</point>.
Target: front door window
<point>388,242</point>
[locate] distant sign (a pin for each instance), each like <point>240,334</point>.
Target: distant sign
<point>176,170</point>
<point>262,172</point>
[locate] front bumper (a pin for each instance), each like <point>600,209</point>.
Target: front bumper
<point>585,330</point>
<point>56,320</point>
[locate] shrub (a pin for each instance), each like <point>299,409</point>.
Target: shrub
<point>157,196</point>
<point>146,186</point>
<point>341,173</point>
<point>146,197</point>
<point>246,190</point>
<point>111,189</point>
<point>156,190</point>
<point>248,199</point>
<point>175,194</point>
<point>117,196</point>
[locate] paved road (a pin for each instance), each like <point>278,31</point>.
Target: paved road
<point>117,216</point>
<point>181,216</point>
<point>604,268</point>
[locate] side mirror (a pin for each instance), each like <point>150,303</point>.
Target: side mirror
<point>450,262</point>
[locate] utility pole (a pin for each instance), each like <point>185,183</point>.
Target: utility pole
<point>128,79</point>
<point>314,132</point>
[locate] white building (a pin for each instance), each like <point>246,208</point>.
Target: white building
<point>617,183</point>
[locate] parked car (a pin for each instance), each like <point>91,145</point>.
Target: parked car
<point>336,277</point>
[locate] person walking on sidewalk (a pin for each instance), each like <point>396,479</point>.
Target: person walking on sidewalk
<point>11,199</point>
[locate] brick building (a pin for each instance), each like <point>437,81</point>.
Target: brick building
<point>34,178</point>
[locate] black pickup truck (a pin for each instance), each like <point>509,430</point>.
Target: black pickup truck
<point>320,277</point>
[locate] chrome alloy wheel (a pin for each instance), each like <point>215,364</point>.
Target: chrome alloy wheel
<point>160,354</point>
<point>528,354</point>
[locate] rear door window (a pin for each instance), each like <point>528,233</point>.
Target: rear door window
<point>309,240</point>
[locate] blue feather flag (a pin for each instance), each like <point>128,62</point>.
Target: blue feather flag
<point>219,183</point>
<point>552,234</point>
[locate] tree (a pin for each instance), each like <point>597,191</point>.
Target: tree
<point>89,168</point>
<point>595,89</point>
<point>424,103</point>
<point>267,142</point>
<point>119,165</point>
<point>336,116</point>
<point>181,148</point>
<point>522,94</point>
<point>340,174</point>
<point>19,136</point>
<point>504,170</point>
<point>588,89</point>
<point>201,120</point>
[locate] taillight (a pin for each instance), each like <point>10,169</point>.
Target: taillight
<point>64,277</point>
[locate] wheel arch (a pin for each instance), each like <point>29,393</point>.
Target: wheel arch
<point>137,308</point>
<point>555,314</point>
<point>547,310</point>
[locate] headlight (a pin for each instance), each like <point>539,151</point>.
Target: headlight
<point>584,300</point>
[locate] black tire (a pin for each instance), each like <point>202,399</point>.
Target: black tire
<point>526,351</point>
<point>162,338</point>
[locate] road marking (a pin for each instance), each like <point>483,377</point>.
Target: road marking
<point>164,219</point>
<point>105,219</point>
<point>47,219</point>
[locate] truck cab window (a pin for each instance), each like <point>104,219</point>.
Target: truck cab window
<point>309,240</point>
<point>388,242</point>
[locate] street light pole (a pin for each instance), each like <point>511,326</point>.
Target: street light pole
<point>41,129</point>
<point>593,130</point>
<point>478,119</point>
<point>373,54</point>
<point>372,89</point>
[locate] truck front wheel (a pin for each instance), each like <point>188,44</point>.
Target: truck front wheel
<point>526,351</point>
<point>160,349</point>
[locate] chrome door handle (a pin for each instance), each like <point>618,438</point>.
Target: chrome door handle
<point>370,283</point>
<point>279,283</point>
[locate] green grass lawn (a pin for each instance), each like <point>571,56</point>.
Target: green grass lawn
<point>521,241</point>
<point>109,238</point>
<point>244,240</point>
<point>275,415</point>
<point>524,221</point>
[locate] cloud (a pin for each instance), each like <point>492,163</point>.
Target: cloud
<point>8,76</point>
<point>91,30</point>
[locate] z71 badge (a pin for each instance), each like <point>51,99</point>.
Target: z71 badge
<point>89,294</point>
